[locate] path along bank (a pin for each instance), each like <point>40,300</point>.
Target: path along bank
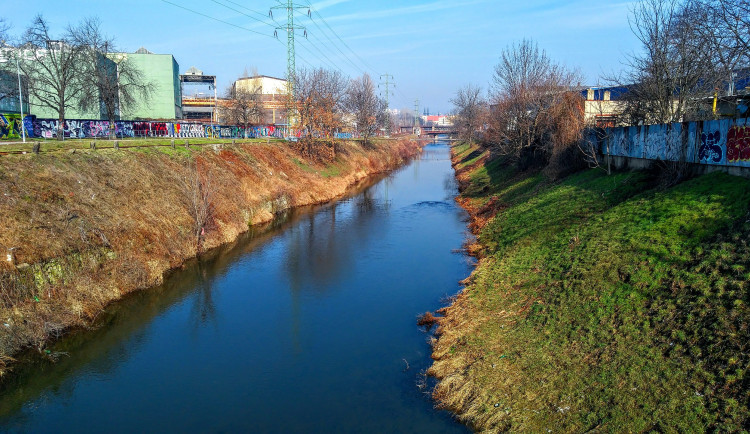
<point>82,229</point>
<point>600,302</point>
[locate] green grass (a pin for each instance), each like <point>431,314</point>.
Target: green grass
<point>331,170</point>
<point>612,305</point>
<point>304,166</point>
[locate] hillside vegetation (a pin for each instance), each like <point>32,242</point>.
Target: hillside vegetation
<point>88,226</point>
<point>599,303</point>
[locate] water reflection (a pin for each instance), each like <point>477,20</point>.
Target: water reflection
<point>301,326</point>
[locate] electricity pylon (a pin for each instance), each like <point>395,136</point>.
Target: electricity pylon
<point>387,84</point>
<point>291,68</point>
<point>416,115</point>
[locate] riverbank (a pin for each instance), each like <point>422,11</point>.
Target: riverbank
<point>599,302</point>
<point>88,227</point>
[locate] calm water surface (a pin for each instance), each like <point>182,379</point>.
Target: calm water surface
<point>305,327</point>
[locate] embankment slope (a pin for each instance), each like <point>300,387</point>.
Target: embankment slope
<point>599,303</point>
<point>90,226</point>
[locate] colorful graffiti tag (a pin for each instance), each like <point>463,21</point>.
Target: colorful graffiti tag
<point>723,142</point>
<point>738,144</point>
<point>709,150</point>
<point>76,129</point>
<point>10,126</point>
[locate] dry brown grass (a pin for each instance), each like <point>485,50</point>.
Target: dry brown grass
<point>95,225</point>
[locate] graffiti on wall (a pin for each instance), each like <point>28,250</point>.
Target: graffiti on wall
<point>10,126</point>
<point>714,142</point>
<point>710,150</point>
<point>76,129</point>
<point>738,144</point>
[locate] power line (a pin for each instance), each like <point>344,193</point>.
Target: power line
<point>325,58</point>
<point>346,57</point>
<point>248,9</point>
<point>366,64</point>
<point>215,19</point>
<point>323,43</point>
<point>242,13</point>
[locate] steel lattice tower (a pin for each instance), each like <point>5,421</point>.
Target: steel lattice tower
<point>388,83</point>
<point>291,68</point>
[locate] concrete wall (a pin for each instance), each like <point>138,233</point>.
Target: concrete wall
<point>717,144</point>
<point>83,128</point>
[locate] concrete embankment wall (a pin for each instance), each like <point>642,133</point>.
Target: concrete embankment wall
<point>82,229</point>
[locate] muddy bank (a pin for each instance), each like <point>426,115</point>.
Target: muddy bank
<point>82,229</point>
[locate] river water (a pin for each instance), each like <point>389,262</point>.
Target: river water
<point>308,325</point>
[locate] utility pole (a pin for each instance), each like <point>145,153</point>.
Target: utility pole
<point>20,101</point>
<point>291,68</point>
<point>387,84</point>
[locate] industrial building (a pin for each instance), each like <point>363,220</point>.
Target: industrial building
<point>273,94</point>
<point>602,105</point>
<point>199,105</point>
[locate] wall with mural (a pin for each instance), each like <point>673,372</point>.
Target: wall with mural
<point>724,142</point>
<point>77,129</point>
<point>10,126</point>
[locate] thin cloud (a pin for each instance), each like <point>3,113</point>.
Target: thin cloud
<point>319,6</point>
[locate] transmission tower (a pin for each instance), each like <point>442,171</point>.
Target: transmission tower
<point>388,83</point>
<point>291,68</point>
<point>416,115</point>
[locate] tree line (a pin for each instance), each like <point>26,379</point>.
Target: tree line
<point>691,51</point>
<point>325,102</point>
<point>81,68</point>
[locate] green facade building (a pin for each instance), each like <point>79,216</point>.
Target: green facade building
<point>164,103</point>
<point>166,100</point>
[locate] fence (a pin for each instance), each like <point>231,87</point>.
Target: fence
<point>723,142</point>
<point>10,128</point>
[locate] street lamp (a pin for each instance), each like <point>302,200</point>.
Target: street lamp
<point>20,101</point>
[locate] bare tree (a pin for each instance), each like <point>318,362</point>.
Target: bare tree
<point>4,27</point>
<point>735,18</point>
<point>198,196</point>
<point>676,68</point>
<point>320,96</point>
<point>110,80</point>
<point>53,69</point>
<point>526,86</point>
<point>244,106</point>
<point>362,102</point>
<point>470,108</point>
<point>384,120</point>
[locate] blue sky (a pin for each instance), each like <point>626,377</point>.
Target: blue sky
<point>431,47</point>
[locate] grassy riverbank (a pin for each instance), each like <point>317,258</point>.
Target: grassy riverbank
<point>89,226</point>
<point>599,303</point>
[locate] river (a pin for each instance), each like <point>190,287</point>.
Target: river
<point>308,325</point>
